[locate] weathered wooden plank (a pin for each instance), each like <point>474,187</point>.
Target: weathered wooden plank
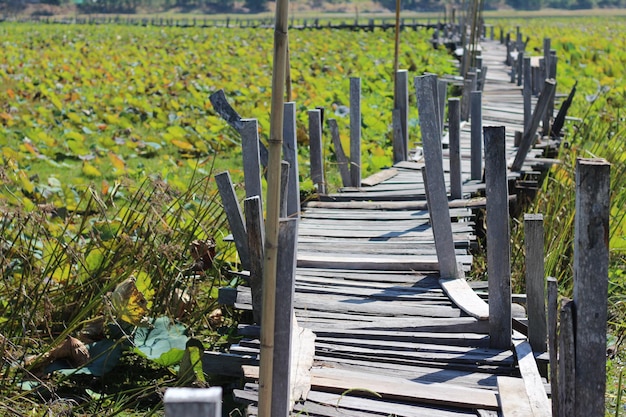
<point>567,362</point>
<point>315,145</point>
<point>340,155</point>
<point>591,261</point>
<point>251,159</point>
<point>465,298</point>
<point>476,135</point>
<point>401,104</point>
<point>360,404</point>
<point>290,154</point>
<point>513,399</point>
<point>355,131</point>
<point>498,236</point>
<point>395,205</point>
<point>234,216</point>
<point>426,90</point>
<point>396,388</point>
<point>553,294</point>
<point>255,230</point>
<point>454,121</point>
<point>379,177</point>
<point>535,282</point>
<point>539,403</point>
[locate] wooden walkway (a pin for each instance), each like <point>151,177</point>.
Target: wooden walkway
<point>389,340</point>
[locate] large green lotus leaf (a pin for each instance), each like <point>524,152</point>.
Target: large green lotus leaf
<point>164,343</point>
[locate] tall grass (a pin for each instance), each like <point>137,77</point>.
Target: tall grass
<point>57,267</point>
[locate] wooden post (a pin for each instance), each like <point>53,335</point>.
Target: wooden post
<point>234,216</point>
<point>442,94</point>
<point>286,268</point>
<point>567,361</point>
<point>315,143</point>
<point>529,134</point>
<point>591,263</point>
<point>498,239</point>
<point>465,99</point>
<point>476,135</point>
<point>553,294</point>
<point>535,282</point>
<point>251,160</point>
<point>256,241</point>
<point>290,154</point>
<point>355,131</point>
<point>454,139</point>
<point>520,67</point>
<point>342,160</point>
<point>401,103</point>
<point>193,402</point>
<point>284,187</point>
<point>546,57</point>
<point>399,146</point>
<point>527,92</point>
<point>438,209</point>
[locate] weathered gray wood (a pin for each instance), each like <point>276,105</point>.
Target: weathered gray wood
<point>476,135</point>
<point>527,92</point>
<point>290,154</point>
<point>221,106</point>
<point>520,67</point>
<point>390,387</point>
<point>546,56</point>
<point>553,293</point>
<point>234,216</point>
<point>285,277</point>
<point>251,159</point>
<point>591,261</point>
<point>498,238</point>
<point>401,103</point>
<point>399,146</point>
<point>465,99</point>
<point>559,121</point>
<point>567,363</point>
<point>393,205</point>
<point>340,155</point>
<point>193,402</point>
<point>454,143</point>
<point>535,282</point>
<point>513,399</point>
<point>529,134</point>
<point>464,297</point>
<point>442,94</point>
<point>379,177</point>
<point>316,150</point>
<point>355,131</point>
<point>284,187</point>
<point>539,403</point>
<point>426,88</point>
<point>255,229</point>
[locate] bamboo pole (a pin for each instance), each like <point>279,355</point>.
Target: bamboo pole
<point>273,207</point>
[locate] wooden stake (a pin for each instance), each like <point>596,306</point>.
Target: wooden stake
<point>273,207</point>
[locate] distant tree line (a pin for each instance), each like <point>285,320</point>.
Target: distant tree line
<point>255,6</point>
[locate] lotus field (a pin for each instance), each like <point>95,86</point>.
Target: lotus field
<point>112,236</point>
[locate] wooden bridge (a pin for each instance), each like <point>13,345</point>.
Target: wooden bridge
<point>379,281</point>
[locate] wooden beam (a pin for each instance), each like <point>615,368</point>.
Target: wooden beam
<point>535,391</point>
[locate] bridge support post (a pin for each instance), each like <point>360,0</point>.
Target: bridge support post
<point>498,239</point>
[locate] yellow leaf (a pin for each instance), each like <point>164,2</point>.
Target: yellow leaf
<point>27,185</point>
<point>117,162</point>
<point>182,145</point>
<point>90,170</point>
<point>129,304</point>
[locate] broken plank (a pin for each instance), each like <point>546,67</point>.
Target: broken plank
<point>379,177</point>
<point>539,403</point>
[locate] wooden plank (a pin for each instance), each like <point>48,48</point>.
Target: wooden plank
<point>395,205</point>
<point>567,362</point>
<point>353,402</point>
<point>255,230</point>
<point>513,399</point>
<point>192,402</point>
<point>591,261</point>
<point>290,154</point>
<point>553,293</point>
<point>315,144</point>
<point>401,104</point>
<point>454,116</point>
<point>464,297</point>
<point>396,388</point>
<point>424,263</point>
<point>539,403</point>
<point>379,177</point>
<point>535,282</point>
<point>251,159</point>
<point>498,236</point>
<point>234,216</point>
<point>340,156</point>
<point>355,131</point>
